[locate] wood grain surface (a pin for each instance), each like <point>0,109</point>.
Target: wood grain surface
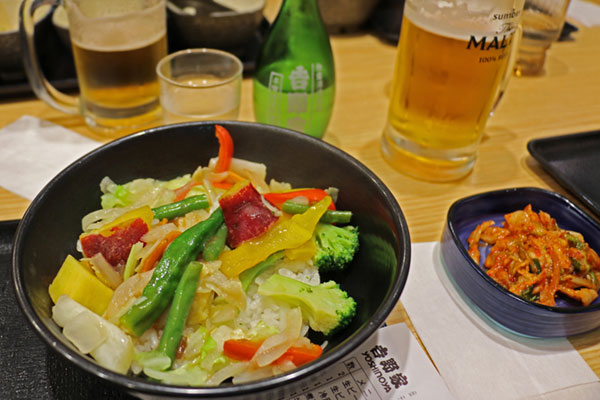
<point>565,99</point>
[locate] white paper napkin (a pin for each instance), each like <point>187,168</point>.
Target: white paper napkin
<point>586,13</point>
<point>33,151</point>
<point>477,358</point>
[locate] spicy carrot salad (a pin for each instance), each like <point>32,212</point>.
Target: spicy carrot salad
<point>213,276</point>
<point>535,259</point>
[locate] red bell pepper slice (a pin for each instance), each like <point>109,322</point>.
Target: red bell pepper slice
<point>313,196</point>
<point>225,149</point>
<point>244,350</point>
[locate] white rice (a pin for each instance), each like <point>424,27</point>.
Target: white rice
<point>262,309</point>
<point>259,312</point>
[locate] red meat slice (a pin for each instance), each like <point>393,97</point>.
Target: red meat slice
<point>246,217</point>
<point>116,247</point>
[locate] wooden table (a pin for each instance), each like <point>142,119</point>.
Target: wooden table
<point>564,100</point>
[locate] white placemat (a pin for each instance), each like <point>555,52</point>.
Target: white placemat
<point>33,151</point>
<point>478,359</point>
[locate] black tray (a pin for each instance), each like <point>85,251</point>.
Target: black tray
<point>30,370</point>
<point>573,161</point>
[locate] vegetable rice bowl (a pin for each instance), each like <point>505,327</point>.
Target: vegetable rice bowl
<point>209,277</point>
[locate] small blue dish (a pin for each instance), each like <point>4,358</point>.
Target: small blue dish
<point>511,311</point>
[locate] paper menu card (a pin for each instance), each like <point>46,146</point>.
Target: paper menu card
<point>477,358</point>
<point>390,365</point>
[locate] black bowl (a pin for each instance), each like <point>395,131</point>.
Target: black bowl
<point>51,225</point>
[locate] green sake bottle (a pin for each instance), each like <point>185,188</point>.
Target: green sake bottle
<point>294,79</point>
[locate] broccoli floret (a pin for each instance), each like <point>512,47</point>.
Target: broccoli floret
<point>336,246</point>
<point>327,308</point>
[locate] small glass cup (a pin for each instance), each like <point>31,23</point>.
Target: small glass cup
<point>200,84</point>
<point>542,22</point>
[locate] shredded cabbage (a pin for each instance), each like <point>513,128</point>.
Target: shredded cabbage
<point>139,192</point>
<point>90,333</point>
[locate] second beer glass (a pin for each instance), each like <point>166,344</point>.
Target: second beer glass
<point>452,60</point>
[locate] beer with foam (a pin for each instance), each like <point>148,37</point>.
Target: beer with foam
<point>450,68</point>
<point>116,47</point>
<point>115,59</point>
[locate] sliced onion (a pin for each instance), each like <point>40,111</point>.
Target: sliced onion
<point>92,334</point>
<point>221,313</point>
<point>99,264</point>
<point>158,232</point>
<point>125,293</point>
<point>211,194</point>
<point>99,218</point>
<point>153,237</point>
<point>242,166</point>
<point>258,180</point>
<point>254,374</point>
<point>85,332</point>
<point>276,186</point>
<point>230,289</point>
<point>276,211</point>
<point>285,366</point>
<point>216,176</point>
<point>275,346</point>
<point>116,352</point>
<point>333,192</point>
<point>190,219</point>
<point>227,372</point>
<point>107,185</point>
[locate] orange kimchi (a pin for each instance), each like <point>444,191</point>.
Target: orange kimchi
<point>535,259</point>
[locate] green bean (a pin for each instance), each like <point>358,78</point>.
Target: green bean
<point>180,309</point>
<point>215,245</point>
<point>180,208</point>
<point>330,216</point>
<point>159,291</point>
<point>249,275</point>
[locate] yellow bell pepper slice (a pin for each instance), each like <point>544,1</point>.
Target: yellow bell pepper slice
<point>145,213</point>
<point>284,234</point>
<point>80,284</point>
<point>303,252</point>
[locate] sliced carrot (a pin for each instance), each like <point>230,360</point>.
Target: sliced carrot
<point>233,177</point>
<point>240,349</point>
<point>158,251</point>
<point>181,192</point>
<point>301,355</point>
<point>162,222</point>
<point>222,185</point>
<point>225,149</point>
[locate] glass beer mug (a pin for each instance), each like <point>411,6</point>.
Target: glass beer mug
<point>452,63</point>
<point>116,46</point>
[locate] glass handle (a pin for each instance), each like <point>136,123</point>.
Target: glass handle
<point>512,58</point>
<point>40,85</point>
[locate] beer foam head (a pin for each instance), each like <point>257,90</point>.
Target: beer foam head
<point>116,24</point>
<point>460,19</point>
